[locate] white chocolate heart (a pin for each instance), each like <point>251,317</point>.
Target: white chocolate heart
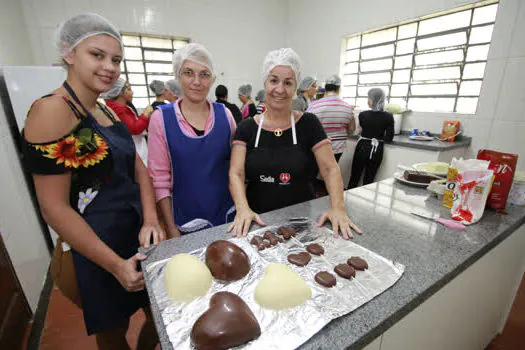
<point>281,288</point>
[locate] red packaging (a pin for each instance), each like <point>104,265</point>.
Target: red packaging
<point>503,165</point>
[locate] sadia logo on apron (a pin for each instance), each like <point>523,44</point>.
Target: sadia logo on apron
<point>285,178</point>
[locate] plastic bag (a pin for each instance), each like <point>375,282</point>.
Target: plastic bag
<point>504,166</point>
<point>472,190</point>
<point>455,166</point>
<point>450,130</point>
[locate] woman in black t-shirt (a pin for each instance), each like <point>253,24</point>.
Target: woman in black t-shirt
<point>377,127</point>
<point>279,152</point>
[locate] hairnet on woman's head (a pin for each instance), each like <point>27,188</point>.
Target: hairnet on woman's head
<point>282,57</point>
<point>157,87</point>
<point>261,96</point>
<point>333,80</point>
<point>245,90</point>
<point>377,99</point>
<point>174,87</point>
<point>193,52</point>
<point>306,83</point>
<point>74,30</point>
<point>115,90</point>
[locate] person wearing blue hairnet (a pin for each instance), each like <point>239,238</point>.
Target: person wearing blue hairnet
<point>92,187</point>
<point>377,127</point>
<point>261,99</point>
<point>306,94</point>
<point>173,91</point>
<point>158,88</point>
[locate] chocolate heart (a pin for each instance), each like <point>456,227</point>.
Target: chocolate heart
<point>345,271</point>
<point>227,323</point>
<point>227,261</point>
<point>315,249</point>
<point>325,279</point>
<point>358,263</point>
<point>301,259</point>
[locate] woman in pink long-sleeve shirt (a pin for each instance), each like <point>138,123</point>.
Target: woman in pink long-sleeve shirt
<point>189,143</point>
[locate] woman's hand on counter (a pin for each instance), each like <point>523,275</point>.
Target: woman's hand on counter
<point>128,276</point>
<point>151,230</point>
<point>242,222</point>
<point>340,223</point>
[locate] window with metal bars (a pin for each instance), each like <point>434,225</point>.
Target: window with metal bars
<point>148,58</point>
<point>432,64</point>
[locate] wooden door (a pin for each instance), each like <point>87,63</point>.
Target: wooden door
<point>14,309</point>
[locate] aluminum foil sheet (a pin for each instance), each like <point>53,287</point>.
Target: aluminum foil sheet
<point>285,329</point>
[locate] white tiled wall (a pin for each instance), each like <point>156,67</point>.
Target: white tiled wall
<point>315,31</point>
<point>14,46</point>
<point>238,33</point>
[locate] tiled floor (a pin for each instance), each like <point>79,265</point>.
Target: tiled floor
<point>64,327</point>
<point>513,335</point>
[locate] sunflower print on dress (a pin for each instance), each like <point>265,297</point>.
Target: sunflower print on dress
<point>83,148</point>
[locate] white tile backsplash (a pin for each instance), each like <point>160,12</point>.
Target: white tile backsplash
<point>517,47</point>
<point>511,104</point>
<point>507,136</point>
<point>490,89</point>
<point>502,34</point>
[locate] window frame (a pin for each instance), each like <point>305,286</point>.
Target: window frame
<point>350,45</point>
<point>148,74</point>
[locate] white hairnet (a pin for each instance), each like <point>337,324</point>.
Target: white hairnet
<point>193,52</point>
<point>306,83</point>
<point>261,96</point>
<point>115,90</point>
<point>174,87</point>
<point>282,57</point>
<point>377,99</point>
<point>74,30</point>
<point>333,80</point>
<point>245,90</point>
<point>157,87</point>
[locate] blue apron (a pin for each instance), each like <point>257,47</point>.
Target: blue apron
<point>116,217</point>
<point>199,168</point>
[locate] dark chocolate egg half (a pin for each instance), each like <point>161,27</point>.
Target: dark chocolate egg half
<point>226,261</point>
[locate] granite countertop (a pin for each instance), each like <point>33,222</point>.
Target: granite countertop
<point>434,145</point>
<point>432,254</point>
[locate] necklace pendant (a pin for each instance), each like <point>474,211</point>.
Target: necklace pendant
<point>278,132</point>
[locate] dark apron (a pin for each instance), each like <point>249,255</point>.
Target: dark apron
<point>116,217</point>
<point>277,177</point>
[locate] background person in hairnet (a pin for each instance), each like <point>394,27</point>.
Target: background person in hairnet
<point>118,99</point>
<point>377,127</point>
<point>276,155</point>
<point>173,91</point>
<point>248,108</point>
<point>189,149</point>
<point>158,88</point>
<point>261,99</point>
<point>92,188</point>
<point>336,116</point>
<point>306,92</point>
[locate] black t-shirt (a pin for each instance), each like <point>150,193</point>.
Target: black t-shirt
<point>236,112</point>
<point>157,103</point>
<point>252,110</point>
<point>309,131</point>
<point>377,125</point>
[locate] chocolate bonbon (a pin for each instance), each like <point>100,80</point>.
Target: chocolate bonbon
<point>345,271</point>
<point>315,249</point>
<point>358,263</point>
<point>326,279</point>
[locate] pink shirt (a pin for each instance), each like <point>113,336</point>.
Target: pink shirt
<point>159,163</point>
